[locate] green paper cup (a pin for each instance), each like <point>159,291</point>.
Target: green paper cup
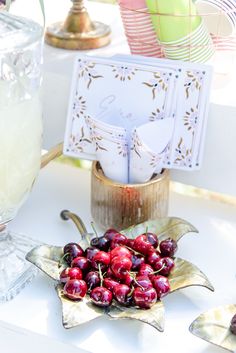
<point>173,19</point>
<point>197,46</point>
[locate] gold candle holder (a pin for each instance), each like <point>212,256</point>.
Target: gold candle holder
<point>78,31</point>
<point>122,205</point>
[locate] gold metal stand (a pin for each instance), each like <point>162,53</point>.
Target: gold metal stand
<point>78,31</point>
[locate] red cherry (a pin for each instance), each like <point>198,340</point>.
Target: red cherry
<point>128,280</point>
<point>110,283</point>
<point>137,261</point>
<point>118,240</point>
<point>92,279</point>
<point>161,285</point>
<point>101,296</point>
<point>153,257</point>
<point>110,233</point>
<point>130,243</point>
<point>164,266</point>
<point>71,251</point>
<point>168,247</point>
<point>121,266</point>
<point>81,262</point>
<point>143,282</point>
<point>152,238</point>
<point>120,251</point>
<point>102,258</point>
<point>90,252</point>
<point>142,245</point>
<point>70,273</point>
<point>75,289</point>
<point>145,270</point>
<point>144,298</point>
<point>122,294</point>
<point>101,243</point>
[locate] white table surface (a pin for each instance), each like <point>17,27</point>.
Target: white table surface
<point>218,172</point>
<point>38,309</point>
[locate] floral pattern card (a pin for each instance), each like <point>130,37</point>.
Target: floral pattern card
<point>117,93</point>
<point>186,146</point>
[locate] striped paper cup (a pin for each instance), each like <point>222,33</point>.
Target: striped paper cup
<point>138,28</point>
<point>219,15</point>
<point>197,46</point>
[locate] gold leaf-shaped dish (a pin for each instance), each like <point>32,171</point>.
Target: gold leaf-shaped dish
<point>169,227</point>
<point>47,259</point>
<point>153,316</point>
<point>76,313</point>
<point>213,327</point>
<point>185,274</point>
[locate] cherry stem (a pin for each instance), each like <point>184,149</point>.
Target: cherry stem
<point>135,281</point>
<point>100,274</point>
<point>60,263</point>
<point>153,273</point>
<point>146,231</point>
<point>94,229</point>
<point>135,252</point>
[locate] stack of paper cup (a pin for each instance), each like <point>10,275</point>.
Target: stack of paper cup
<point>218,15</point>
<point>197,46</point>
<point>181,30</point>
<point>139,30</point>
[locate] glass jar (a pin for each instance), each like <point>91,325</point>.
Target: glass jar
<point>20,138</point>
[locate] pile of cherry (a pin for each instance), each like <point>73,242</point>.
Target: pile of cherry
<point>134,272</point>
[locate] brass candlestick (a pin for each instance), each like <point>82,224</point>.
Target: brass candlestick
<point>78,31</point>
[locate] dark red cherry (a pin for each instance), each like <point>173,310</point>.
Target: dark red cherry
<point>145,270</point>
<point>161,285</point>
<point>92,279</point>
<point>75,289</point>
<point>71,251</point>
<point>110,233</point>
<point>233,325</point>
<point>70,273</point>
<point>143,282</point>
<point>102,243</point>
<point>120,251</point>
<point>82,263</point>
<point>90,252</point>
<point>128,280</point>
<point>122,294</point>
<point>121,266</point>
<point>108,273</point>
<point>102,258</point>
<point>153,257</point>
<point>168,247</point>
<point>144,298</point>
<point>130,243</point>
<point>118,240</point>
<point>110,283</point>
<point>101,296</point>
<point>152,238</point>
<point>164,266</point>
<point>142,245</point>
<point>137,261</point>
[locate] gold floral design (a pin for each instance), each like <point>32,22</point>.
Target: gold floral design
<point>122,149</point>
<point>158,83</point>
<point>183,155</point>
<point>79,106</point>
<point>87,71</point>
<point>123,73</point>
<point>191,119</point>
<point>193,81</point>
<point>78,142</point>
<point>157,115</point>
<point>136,144</point>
